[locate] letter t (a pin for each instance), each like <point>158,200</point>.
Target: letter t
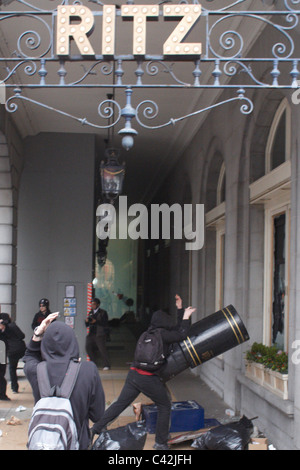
<point>140,13</point>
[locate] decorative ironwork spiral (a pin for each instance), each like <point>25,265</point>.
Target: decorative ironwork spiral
<point>233,41</point>
<point>31,38</point>
<point>106,69</point>
<point>152,69</point>
<point>149,112</point>
<point>29,69</point>
<point>106,110</point>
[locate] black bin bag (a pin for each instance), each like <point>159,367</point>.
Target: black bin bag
<point>232,436</point>
<point>129,437</point>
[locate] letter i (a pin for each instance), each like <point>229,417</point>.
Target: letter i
<point>108,30</point>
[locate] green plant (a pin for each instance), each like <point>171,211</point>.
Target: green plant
<point>269,356</point>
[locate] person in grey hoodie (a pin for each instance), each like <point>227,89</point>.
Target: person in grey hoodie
<point>56,344</point>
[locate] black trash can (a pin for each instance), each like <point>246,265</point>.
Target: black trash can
<point>206,339</point>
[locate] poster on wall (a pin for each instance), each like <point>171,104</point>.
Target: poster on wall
<point>70,291</point>
<point>70,306</point>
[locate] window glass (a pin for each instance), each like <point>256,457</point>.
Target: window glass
<point>279,281</point>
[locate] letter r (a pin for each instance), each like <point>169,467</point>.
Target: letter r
<point>66,30</point>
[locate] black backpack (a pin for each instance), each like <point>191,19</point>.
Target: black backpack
<point>149,352</point>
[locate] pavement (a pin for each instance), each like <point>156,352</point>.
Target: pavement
<point>15,414</point>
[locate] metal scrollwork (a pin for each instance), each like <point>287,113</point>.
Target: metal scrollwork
<point>106,69</point>
<point>223,43</point>
<point>31,38</point>
<point>293,2</point>
<point>230,39</point>
<point>232,67</point>
<point>152,69</point>
<point>151,110</point>
<point>29,69</point>
<point>106,110</point>
<point>224,63</point>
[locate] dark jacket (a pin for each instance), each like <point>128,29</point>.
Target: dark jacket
<point>170,332</point>
<point>14,340</point>
<point>38,318</point>
<point>98,328</point>
<point>3,355</point>
<point>57,348</point>
<point>12,336</point>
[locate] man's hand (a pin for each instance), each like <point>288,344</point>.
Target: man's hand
<point>188,312</point>
<point>40,330</point>
<point>49,319</point>
<point>178,301</point>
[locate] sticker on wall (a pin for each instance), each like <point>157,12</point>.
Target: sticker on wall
<point>69,311</point>
<point>70,321</point>
<point>70,302</point>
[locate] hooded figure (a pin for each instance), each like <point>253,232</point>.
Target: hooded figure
<point>161,319</point>
<point>14,338</point>
<point>149,383</point>
<point>58,347</point>
<point>170,332</point>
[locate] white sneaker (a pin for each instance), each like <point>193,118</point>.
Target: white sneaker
<point>106,368</point>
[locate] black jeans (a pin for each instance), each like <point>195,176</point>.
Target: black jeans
<point>152,387</point>
<point>2,380</point>
<point>94,344</point>
<point>13,365</point>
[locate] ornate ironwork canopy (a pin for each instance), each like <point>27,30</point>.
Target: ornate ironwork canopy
<point>72,46</point>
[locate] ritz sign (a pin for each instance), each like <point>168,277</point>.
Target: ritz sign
<point>82,28</point>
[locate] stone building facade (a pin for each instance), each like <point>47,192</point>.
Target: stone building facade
<point>243,168</point>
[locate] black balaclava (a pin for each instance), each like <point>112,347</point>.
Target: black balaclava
<point>161,319</point>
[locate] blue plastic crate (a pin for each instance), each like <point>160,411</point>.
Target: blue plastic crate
<point>185,416</point>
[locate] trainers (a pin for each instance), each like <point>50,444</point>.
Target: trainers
<point>160,446</point>
<point>106,368</point>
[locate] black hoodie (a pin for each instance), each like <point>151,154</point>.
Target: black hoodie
<point>171,332</point>
<point>59,346</point>
<point>12,336</point>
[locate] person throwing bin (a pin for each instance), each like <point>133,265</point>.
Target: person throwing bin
<point>143,374</point>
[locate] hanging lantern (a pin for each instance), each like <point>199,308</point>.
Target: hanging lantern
<point>112,175</point>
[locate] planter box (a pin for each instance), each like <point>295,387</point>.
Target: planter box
<point>269,379</point>
<point>255,372</point>
<point>277,383</point>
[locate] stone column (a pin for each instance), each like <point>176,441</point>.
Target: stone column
<point>7,243</point>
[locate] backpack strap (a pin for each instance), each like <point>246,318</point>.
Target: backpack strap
<point>43,380</point>
<point>151,329</point>
<point>69,381</point>
<point>67,385</point>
